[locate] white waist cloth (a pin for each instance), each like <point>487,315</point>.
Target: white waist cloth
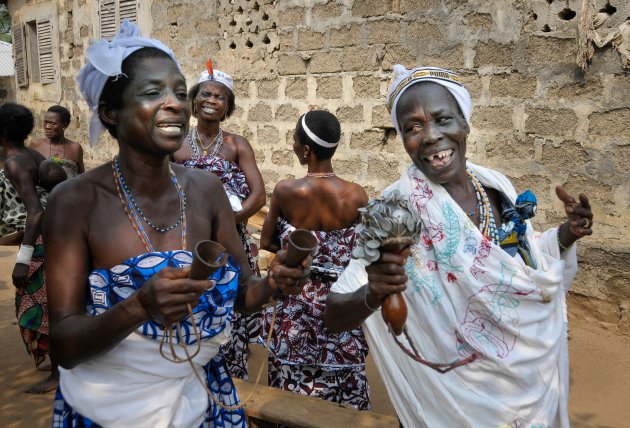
<point>134,386</point>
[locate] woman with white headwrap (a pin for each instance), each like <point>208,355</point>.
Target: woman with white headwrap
<point>304,357</point>
<point>231,158</point>
<point>485,294</point>
<point>118,269</point>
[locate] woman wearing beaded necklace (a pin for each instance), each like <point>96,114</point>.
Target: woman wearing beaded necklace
<point>485,294</point>
<point>304,356</point>
<point>118,277</point>
<point>55,145</point>
<point>231,158</point>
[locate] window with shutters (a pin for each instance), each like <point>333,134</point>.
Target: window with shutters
<point>34,56</point>
<point>21,73</point>
<point>111,13</point>
<point>45,51</point>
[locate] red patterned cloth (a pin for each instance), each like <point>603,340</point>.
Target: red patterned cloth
<point>245,329</point>
<point>31,308</point>
<point>300,336</point>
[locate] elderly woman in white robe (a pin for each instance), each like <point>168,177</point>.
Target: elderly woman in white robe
<point>485,293</point>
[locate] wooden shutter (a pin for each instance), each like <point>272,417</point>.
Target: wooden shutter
<point>107,18</point>
<point>44,48</point>
<point>113,12</point>
<point>128,9</point>
<point>21,74</point>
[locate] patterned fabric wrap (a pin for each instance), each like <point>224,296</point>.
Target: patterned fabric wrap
<point>230,174</point>
<point>111,286</point>
<point>219,381</point>
<point>347,386</point>
<point>12,209</point>
<point>245,329</point>
<point>512,232</point>
<point>299,335</point>
<point>69,166</point>
<point>31,308</point>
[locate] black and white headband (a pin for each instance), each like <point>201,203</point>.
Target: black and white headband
<point>314,137</point>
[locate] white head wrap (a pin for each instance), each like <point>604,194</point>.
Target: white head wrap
<point>404,79</point>
<point>217,76</point>
<point>314,137</point>
<point>104,59</point>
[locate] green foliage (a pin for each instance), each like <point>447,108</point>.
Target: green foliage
<point>5,20</point>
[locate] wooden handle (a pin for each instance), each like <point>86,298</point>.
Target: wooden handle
<point>394,310</point>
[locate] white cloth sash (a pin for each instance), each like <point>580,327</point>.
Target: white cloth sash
<point>132,385</point>
<point>459,302</point>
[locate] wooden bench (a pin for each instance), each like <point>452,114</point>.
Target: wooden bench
<point>270,407</point>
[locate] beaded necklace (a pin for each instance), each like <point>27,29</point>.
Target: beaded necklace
<point>62,142</point>
<point>132,210</point>
<point>196,144</point>
<point>321,174</point>
<point>487,225</point>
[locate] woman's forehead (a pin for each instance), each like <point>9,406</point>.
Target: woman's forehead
<point>428,95</point>
<point>210,85</point>
<point>52,116</point>
<point>149,67</point>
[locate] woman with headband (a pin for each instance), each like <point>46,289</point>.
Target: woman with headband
<point>485,341</point>
<point>304,356</point>
<point>231,158</point>
<point>137,340</point>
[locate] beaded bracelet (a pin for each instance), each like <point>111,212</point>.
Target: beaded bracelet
<point>366,302</point>
<point>560,244</point>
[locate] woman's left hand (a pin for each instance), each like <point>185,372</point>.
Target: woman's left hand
<point>20,275</point>
<point>288,280</point>
<point>579,219</point>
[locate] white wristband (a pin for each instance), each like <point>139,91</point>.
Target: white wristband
<point>25,254</point>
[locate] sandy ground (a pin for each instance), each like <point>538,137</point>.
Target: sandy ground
<point>600,371</point>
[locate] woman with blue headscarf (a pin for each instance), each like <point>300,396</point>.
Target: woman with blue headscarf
<point>485,339</point>
<point>137,340</point>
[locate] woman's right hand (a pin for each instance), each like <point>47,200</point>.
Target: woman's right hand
<point>387,275</point>
<point>166,295</point>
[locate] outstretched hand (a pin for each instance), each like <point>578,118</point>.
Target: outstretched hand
<point>579,214</point>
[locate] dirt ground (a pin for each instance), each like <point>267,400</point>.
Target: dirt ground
<point>600,371</point>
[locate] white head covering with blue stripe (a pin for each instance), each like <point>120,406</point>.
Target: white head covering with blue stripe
<point>104,60</point>
<point>404,79</point>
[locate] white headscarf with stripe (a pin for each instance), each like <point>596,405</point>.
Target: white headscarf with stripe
<point>404,79</point>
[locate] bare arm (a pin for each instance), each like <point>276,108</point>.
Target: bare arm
<point>74,336</point>
<point>247,162</point>
<point>254,292</point>
<point>268,238</point>
<point>20,176</point>
<point>12,239</point>
<point>81,165</point>
<point>22,180</point>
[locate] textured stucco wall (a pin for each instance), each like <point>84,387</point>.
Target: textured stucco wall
<point>537,117</point>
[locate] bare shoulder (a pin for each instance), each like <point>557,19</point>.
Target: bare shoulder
<point>292,189</point>
<point>74,145</point>
<point>235,139</point>
<point>198,179</point>
<point>79,195</point>
<point>36,143</point>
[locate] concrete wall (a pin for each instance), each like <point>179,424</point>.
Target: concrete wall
<point>537,117</point>
<point>7,88</point>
